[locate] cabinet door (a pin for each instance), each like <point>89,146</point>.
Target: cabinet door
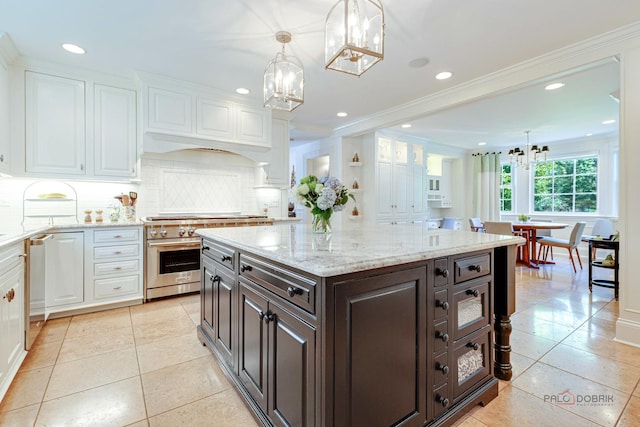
<point>170,111</point>
<point>387,328</point>
<point>401,190</point>
<point>292,344</point>
<point>65,269</point>
<point>207,293</point>
<point>11,318</point>
<point>224,312</point>
<point>253,345</point>
<point>115,132</point>
<point>278,168</point>
<point>418,192</point>
<point>384,193</point>
<point>55,125</point>
<point>4,119</point>
<point>215,118</point>
<point>253,125</point>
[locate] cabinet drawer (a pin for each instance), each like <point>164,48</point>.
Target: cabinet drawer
<point>219,253</point>
<point>471,310</point>
<point>10,256</point>
<point>471,362</point>
<point>117,286</point>
<point>441,369</point>
<point>441,336</point>
<point>118,267</point>
<point>441,272</point>
<point>441,303</point>
<point>121,251</point>
<point>293,287</point>
<point>131,234</point>
<point>441,400</point>
<point>471,267</point>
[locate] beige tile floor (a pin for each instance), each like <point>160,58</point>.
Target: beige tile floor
<point>143,366</point>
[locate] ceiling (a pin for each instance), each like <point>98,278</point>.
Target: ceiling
<point>227,44</point>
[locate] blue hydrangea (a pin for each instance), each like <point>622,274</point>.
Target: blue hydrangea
<point>326,199</point>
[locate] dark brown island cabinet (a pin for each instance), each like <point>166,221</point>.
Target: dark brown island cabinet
<point>401,345</point>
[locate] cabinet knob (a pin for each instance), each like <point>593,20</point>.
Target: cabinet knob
<point>293,291</point>
<point>473,292</point>
<point>443,337</point>
<point>268,317</point>
<point>245,268</point>
<point>205,248</point>
<point>1,158</point>
<point>10,295</point>
<point>443,401</point>
<point>442,304</point>
<point>442,272</point>
<point>474,345</point>
<point>226,258</point>
<point>215,279</point>
<point>476,267</point>
<point>443,368</point>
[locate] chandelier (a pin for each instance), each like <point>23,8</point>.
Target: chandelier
<point>530,155</point>
<point>284,79</point>
<point>354,36</point>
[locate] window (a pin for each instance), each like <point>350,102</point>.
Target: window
<point>568,185</point>
<point>506,188</point>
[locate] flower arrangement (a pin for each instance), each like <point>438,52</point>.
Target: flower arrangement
<point>324,196</point>
<point>523,218</point>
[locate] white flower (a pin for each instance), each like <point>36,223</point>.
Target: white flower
<point>303,189</point>
<point>319,188</point>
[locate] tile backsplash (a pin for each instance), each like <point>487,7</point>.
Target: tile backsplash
<point>188,181</point>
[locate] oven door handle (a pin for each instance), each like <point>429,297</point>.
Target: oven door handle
<point>189,244</point>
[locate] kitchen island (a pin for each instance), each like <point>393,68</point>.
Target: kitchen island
<point>372,325</point>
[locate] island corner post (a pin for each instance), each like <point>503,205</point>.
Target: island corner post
<point>503,307</point>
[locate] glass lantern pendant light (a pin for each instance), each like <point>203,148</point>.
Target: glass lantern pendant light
<point>284,79</point>
<point>354,36</point>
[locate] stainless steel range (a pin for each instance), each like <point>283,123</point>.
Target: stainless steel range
<point>172,250</point>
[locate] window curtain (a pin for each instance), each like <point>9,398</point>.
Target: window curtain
<point>486,184</point>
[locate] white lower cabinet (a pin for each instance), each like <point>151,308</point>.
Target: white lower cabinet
<point>65,269</point>
<point>94,267</point>
<point>11,314</point>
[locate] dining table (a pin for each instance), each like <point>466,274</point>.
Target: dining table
<point>529,230</point>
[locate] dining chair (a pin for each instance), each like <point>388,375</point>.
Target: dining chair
<point>505,228</point>
<point>448,222</point>
<point>542,234</point>
<point>571,244</point>
<point>476,224</point>
<point>601,227</point>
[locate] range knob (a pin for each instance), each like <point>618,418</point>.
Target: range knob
<point>191,230</point>
<point>153,233</point>
<point>163,232</point>
<point>181,231</point>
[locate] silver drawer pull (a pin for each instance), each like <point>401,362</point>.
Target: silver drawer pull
<point>117,252</point>
<point>117,236</point>
<point>117,268</point>
<point>117,288</point>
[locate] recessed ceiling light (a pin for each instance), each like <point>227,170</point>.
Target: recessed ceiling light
<point>588,134</point>
<point>444,75</point>
<point>608,122</point>
<point>554,86</point>
<point>243,91</point>
<point>482,143</point>
<point>406,126</point>
<point>419,62</point>
<point>69,47</point>
<point>341,114</point>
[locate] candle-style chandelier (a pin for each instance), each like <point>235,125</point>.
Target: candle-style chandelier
<point>284,79</point>
<point>354,36</point>
<point>530,155</point>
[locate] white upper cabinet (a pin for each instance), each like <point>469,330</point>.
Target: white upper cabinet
<point>278,169</point>
<point>215,118</point>
<point>55,125</point>
<point>115,131</point>
<point>170,111</point>
<point>253,125</point>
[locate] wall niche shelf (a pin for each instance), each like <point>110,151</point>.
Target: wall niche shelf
<point>49,200</point>
<point>355,164</point>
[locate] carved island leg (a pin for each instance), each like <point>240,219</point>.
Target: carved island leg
<point>504,305</point>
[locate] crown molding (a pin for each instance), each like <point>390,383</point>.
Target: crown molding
<point>581,55</point>
<point>8,51</point>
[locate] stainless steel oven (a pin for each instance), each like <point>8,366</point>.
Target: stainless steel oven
<point>172,251</point>
<point>173,267</point>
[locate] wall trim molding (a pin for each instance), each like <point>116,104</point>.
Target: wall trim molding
<point>8,51</point>
<point>627,332</point>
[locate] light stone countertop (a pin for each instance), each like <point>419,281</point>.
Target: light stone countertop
<point>10,234</point>
<point>353,249</point>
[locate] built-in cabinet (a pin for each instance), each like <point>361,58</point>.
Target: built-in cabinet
<point>79,128</point>
<point>4,117</point>
<point>12,304</point>
<point>187,112</point>
<point>400,181</point>
<point>94,267</point>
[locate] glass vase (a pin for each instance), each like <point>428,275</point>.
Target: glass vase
<point>321,225</point>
